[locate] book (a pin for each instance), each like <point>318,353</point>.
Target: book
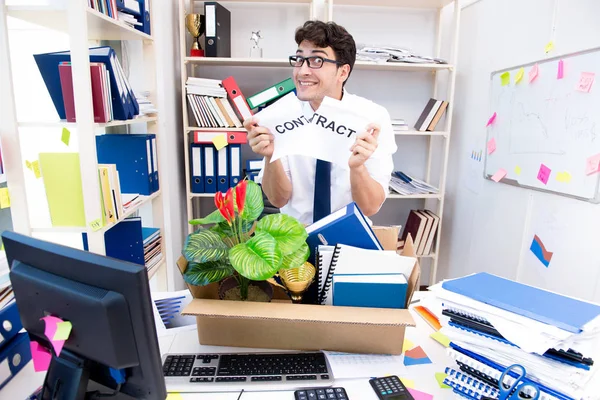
<point>370,290</point>
<point>438,115</point>
<point>428,114</point>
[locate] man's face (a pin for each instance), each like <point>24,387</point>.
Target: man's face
<point>314,84</point>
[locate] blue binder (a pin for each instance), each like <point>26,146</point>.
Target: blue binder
<point>235,164</point>
<point>197,168</point>
<point>9,361</point>
<point>124,241</point>
<point>124,104</point>
<point>385,291</point>
<point>210,168</point>
<point>122,5</point>
<point>222,169</point>
<point>133,156</point>
<point>10,323</point>
<point>145,18</point>
<point>154,154</point>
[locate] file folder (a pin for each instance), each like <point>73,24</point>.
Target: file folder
<point>132,7</point>
<point>206,137</point>
<point>145,17</point>
<point>253,176</point>
<point>222,169</point>
<point>210,168</point>
<point>255,164</point>
<point>235,164</point>
<point>218,30</point>
<point>10,323</point>
<point>132,155</point>
<point>155,165</point>
<point>274,92</point>
<point>237,137</point>
<point>197,177</point>
<point>370,290</point>
<point>237,98</point>
<point>125,241</point>
<point>14,355</point>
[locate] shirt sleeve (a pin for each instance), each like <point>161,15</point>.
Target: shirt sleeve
<point>286,169</point>
<point>381,164</point>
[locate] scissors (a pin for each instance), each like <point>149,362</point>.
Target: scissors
<point>518,387</point>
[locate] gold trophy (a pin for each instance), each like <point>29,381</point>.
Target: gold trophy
<point>295,280</point>
<point>195,25</point>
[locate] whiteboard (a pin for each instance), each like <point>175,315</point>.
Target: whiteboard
<point>547,123</point>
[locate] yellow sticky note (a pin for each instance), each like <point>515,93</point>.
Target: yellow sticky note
<point>505,77</point>
<point>440,338</point>
<point>439,377</point>
<point>409,383</point>
<point>174,396</point>
<point>63,330</point>
<point>4,198</point>
<point>563,177</point>
<point>407,345</point>
<point>219,141</point>
<point>66,136</point>
<point>96,224</point>
<point>518,170</point>
<point>549,47</point>
<point>520,74</point>
<point>28,164</point>
<point>35,166</point>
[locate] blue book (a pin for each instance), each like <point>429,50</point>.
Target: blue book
<point>376,290</point>
<point>531,302</point>
<point>17,348</point>
<point>124,241</point>
<point>10,323</point>
<point>148,234</point>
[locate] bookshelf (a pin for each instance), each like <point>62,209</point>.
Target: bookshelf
<point>86,27</point>
<point>436,80</point>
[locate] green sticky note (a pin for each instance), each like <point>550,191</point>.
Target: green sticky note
<point>440,338</point>
<point>96,224</point>
<point>219,141</point>
<point>520,74</point>
<point>66,136</point>
<point>63,330</point>
<point>439,377</point>
<point>505,77</point>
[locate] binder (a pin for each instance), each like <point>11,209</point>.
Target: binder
<point>237,98</point>
<point>124,241</point>
<point>222,169</point>
<point>272,93</point>
<point>145,17</point>
<point>66,83</point>
<point>207,137</point>
<point>253,176</point>
<point>370,290</point>
<point>10,323</point>
<point>235,164</point>
<point>132,155</point>
<point>14,355</point>
<point>210,168</point>
<point>237,137</point>
<point>155,164</point>
<point>218,30</point>
<point>197,167</point>
<point>130,7</point>
<point>255,164</point>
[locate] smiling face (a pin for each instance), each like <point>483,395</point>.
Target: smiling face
<point>314,84</point>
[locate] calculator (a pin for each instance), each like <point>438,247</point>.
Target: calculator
<point>390,388</point>
<point>337,393</point>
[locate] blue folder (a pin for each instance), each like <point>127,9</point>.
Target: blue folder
<point>197,168</point>
<point>222,169</point>
<point>383,293</point>
<point>210,168</point>
<point>124,241</point>
<point>10,323</point>
<point>18,345</point>
<point>235,164</point>
<point>531,302</point>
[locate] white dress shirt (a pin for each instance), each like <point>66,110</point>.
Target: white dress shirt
<point>301,169</point>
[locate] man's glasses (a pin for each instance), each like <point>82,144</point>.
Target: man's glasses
<point>314,62</point>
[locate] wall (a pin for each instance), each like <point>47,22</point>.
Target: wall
<point>489,226</point>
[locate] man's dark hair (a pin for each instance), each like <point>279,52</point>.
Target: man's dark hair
<point>324,34</point>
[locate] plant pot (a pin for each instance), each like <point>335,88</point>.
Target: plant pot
<point>260,291</point>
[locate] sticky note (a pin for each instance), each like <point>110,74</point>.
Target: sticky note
<point>518,170</point>
<point>4,198</point>
<point>561,70</point>
<point>219,141</point>
<point>501,173</point>
<point>174,396</point>
<point>519,75</point>
<point>505,78</point>
<point>592,164</point>
<point>563,177</point>
<point>36,169</point>
<point>439,377</point>
<point>491,120</point>
<point>549,47</point>
<point>96,224</point>
<point>63,330</point>
<point>533,73</point>
<point>586,80</point>
<point>41,357</point>
<point>440,338</point>
<point>544,174</point>
<point>409,383</point>
<point>50,330</point>
<point>418,395</point>
<point>408,345</point>
<point>491,145</point>
<point>65,136</point>
<point>28,164</point>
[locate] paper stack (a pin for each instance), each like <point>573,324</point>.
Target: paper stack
<point>494,323</point>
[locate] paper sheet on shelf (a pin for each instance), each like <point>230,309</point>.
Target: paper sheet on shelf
<point>352,365</point>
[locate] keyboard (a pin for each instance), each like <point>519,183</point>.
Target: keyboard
<point>231,372</point>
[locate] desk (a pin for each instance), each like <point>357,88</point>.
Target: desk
<point>358,389</point>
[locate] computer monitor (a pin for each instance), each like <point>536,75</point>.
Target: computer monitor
<point>108,304</point>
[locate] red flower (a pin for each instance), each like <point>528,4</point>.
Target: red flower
<point>240,195</point>
<point>221,206</point>
<point>229,203</point>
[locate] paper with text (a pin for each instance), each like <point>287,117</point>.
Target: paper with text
<point>352,365</point>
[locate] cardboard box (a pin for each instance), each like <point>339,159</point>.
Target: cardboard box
<point>279,325</point>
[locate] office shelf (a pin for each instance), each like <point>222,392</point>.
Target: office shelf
<point>63,123</point>
<point>157,267</point>
<point>196,128</point>
<point>414,196</point>
<point>428,4</point>
<point>419,133</point>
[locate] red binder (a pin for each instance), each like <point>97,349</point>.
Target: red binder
<point>237,137</point>
<point>66,83</point>
<point>237,98</point>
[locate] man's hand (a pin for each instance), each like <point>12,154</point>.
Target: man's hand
<point>364,146</point>
<point>260,138</point>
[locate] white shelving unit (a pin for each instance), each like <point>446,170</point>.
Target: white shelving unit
<point>83,25</point>
<point>443,88</point>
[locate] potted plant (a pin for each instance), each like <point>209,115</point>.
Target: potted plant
<point>239,251</point>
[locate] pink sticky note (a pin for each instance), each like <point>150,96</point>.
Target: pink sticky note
<point>592,164</point>
<point>561,70</point>
<point>491,120</point>
<point>586,80</point>
<point>41,357</point>
<point>418,395</point>
<point>491,145</point>
<point>501,173</point>
<point>544,174</point>
<point>533,73</point>
<point>50,331</point>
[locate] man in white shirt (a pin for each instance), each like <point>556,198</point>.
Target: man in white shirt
<point>310,189</point>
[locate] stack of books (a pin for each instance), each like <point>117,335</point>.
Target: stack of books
<point>146,106</point>
<point>431,115</point>
<point>494,323</point>
<point>112,203</point>
<point>422,225</point>
<point>152,247</point>
<point>207,99</point>
<point>405,184</point>
<point>399,125</point>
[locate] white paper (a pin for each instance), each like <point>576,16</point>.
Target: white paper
<point>177,322</point>
<point>351,365</point>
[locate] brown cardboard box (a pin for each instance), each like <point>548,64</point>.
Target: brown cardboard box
<point>279,325</point>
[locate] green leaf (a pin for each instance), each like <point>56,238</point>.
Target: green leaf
<point>203,246</point>
<point>227,230</point>
<point>201,274</point>
<point>213,218</point>
<point>287,231</point>
<point>254,205</point>
<point>297,258</point>
<point>258,259</point>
